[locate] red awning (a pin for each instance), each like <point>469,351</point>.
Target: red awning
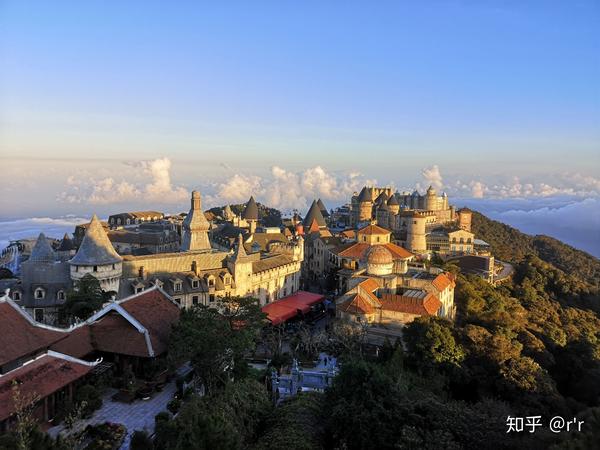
<point>288,307</point>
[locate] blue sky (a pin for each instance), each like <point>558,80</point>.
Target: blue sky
<point>488,92</point>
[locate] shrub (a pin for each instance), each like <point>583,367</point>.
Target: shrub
<point>140,441</point>
<point>91,396</point>
<point>174,405</point>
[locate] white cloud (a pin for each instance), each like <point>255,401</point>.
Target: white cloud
<point>432,176</point>
<point>287,190</point>
<point>148,181</point>
<point>32,227</point>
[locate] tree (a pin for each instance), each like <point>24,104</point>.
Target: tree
<point>141,441</point>
<point>430,342</point>
<point>85,298</point>
<point>215,339</point>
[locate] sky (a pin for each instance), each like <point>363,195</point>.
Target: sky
<point>108,106</point>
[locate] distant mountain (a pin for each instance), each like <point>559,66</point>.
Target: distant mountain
<point>510,244</point>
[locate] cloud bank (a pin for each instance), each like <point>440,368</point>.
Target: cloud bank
<point>155,185</point>
<point>32,227</point>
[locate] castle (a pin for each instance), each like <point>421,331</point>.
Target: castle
<point>196,274</point>
<point>420,223</point>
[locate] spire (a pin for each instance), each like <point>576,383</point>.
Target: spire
<point>195,227</point>
<point>96,248</point>
<point>42,251</point>
<point>314,213</point>
<point>240,251</point>
<point>66,244</point>
<point>322,208</point>
<point>251,210</point>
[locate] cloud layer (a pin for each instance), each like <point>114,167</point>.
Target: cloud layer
<point>150,181</point>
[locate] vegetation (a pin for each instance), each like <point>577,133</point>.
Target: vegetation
<point>85,298</point>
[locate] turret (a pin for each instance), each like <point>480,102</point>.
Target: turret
<point>195,227</point>
<point>240,265</point>
<point>97,256</point>
<point>431,199</point>
<point>464,219</point>
<point>250,214</point>
<point>415,234</point>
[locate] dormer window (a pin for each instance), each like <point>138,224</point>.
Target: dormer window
<point>16,296</point>
<point>60,295</point>
<point>195,284</point>
<point>211,281</point>
<point>39,293</point>
<point>177,286</point>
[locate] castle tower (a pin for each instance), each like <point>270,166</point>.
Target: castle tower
<point>383,214</point>
<point>314,215</point>
<point>431,199</point>
<point>415,234</point>
<point>365,204</point>
<point>323,209</point>
<point>195,227</point>
<point>42,252</point>
<point>96,256</point>
<point>444,201</point>
<point>415,200</point>
<point>393,205</point>
<point>240,265</point>
<point>250,214</point>
<point>465,216</point>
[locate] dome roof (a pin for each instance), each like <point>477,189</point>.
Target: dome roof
<point>379,255</point>
<point>96,248</point>
<point>42,251</point>
<point>251,210</point>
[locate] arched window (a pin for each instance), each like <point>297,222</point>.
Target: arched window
<point>95,268</point>
<point>16,296</point>
<point>60,295</point>
<point>39,293</point>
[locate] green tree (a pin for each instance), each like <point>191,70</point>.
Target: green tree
<point>85,298</point>
<point>215,339</point>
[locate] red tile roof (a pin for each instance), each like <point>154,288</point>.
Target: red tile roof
<point>373,229</point>
<point>359,250</point>
<point>356,305</point>
<point>369,284</point>
<point>19,337</point>
<point>113,333</point>
<point>40,378</point>
<point>284,309</point>
<point>428,305</point>
<point>443,280</point>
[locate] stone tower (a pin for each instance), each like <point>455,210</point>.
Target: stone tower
<point>195,227</point>
<point>393,205</point>
<point>96,256</point>
<point>365,205</point>
<point>240,265</point>
<point>464,218</point>
<point>415,233</point>
<point>431,199</point>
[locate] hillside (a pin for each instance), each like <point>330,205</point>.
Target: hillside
<point>509,244</point>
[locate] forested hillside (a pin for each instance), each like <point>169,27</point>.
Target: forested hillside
<point>509,244</point>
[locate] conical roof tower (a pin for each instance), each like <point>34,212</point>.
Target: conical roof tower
<point>322,208</point>
<point>95,249</point>
<point>42,251</point>
<point>314,213</point>
<point>251,210</point>
<point>195,227</point>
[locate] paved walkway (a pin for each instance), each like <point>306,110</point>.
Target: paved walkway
<point>138,415</point>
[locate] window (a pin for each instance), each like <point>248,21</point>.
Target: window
<point>177,300</point>
<point>95,268</point>
<point>138,290</point>
<point>177,287</point>
<point>38,314</point>
<point>195,300</point>
<point>211,298</point>
<point>60,295</point>
<point>195,284</point>
<point>16,296</point>
<point>39,293</point>
<point>211,281</point>
<point>113,267</point>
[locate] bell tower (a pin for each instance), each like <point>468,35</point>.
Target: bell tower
<point>195,227</point>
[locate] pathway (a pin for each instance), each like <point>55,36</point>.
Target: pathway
<point>138,415</point>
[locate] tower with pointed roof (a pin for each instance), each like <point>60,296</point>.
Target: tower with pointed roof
<point>195,227</point>
<point>250,214</point>
<point>240,265</point>
<point>314,216</point>
<point>96,256</point>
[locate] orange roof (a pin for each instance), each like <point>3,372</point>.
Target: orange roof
<point>369,284</point>
<point>40,377</point>
<point>348,234</point>
<point>428,305</point>
<point>358,250</point>
<point>356,305</point>
<point>373,229</point>
<point>397,251</point>
<point>443,280</point>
